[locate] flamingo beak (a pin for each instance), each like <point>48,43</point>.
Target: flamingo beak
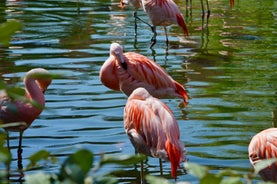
<point>120,58</point>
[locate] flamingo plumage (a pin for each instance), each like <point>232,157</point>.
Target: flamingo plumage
<point>264,146</point>
<point>153,129</point>
<point>130,70</point>
<point>25,111</point>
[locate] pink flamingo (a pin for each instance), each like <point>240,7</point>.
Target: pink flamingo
<point>161,13</point>
<point>264,146</point>
<point>130,70</point>
<point>153,129</point>
<point>24,111</point>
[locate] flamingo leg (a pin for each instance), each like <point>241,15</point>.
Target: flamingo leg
<point>161,166</point>
<point>187,4</point>
<point>153,39</point>
<point>141,173</point>
<point>166,36</point>
<point>136,17</point>
<point>208,10</point>
<point>19,150</point>
<point>202,7</point>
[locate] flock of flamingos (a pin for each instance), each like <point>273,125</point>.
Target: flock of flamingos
<point>149,123</point>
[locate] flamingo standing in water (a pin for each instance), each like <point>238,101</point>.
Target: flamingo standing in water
<point>25,111</point>
<point>153,129</point>
<point>130,70</point>
<point>161,13</point>
<point>264,146</point>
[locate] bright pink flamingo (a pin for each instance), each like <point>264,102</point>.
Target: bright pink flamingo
<point>264,146</point>
<point>153,129</point>
<point>25,111</point>
<point>161,13</point>
<point>130,70</point>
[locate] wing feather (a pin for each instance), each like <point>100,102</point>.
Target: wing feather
<point>139,116</point>
<point>145,70</point>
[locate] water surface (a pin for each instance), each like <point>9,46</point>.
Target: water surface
<point>228,67</point>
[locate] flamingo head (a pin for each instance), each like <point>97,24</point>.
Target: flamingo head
<point>117,51</point>
<point>42,77</point>
<point>139,94</point>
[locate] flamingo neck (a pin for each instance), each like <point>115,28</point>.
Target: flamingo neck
<point>34,92</point>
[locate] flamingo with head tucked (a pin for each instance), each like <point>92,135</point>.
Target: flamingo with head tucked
<point>153,129</point>
<point>25,111</point>
<point>264,146</point>
<point>130,70</point>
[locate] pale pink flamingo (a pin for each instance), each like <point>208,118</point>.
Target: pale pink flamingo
<point>161,13</point>
<point>25,111</point>
<point>264,146</point>
<point>130,70</point>
<point>153,129</point>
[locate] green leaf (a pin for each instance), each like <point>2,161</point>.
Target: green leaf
<point>196,169</point>
<point>211,178</point>
<point>2,85</point>
<point>232,180</point>
<point>231,173</point>
<point>155,179</point>
<point>7,29</point>
<point>38,178</point>
<point>3,138</point>
<point>103,180</point>
<point>122,159</point>
<point>5,156</point>
<point>36,157</point>
<point>16,93</point>
<point>77,165</point>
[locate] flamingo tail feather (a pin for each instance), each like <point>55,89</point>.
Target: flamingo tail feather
<point>181,22</point>
<point>174,156</point>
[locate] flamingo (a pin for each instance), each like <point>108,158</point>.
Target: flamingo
<point>153,129</point>
<point>161,13</point>
<point>264,146</point>
<point>27,110</point>
<point>130,70</point>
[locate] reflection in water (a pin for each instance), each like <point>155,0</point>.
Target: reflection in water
<point>228,68</point>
